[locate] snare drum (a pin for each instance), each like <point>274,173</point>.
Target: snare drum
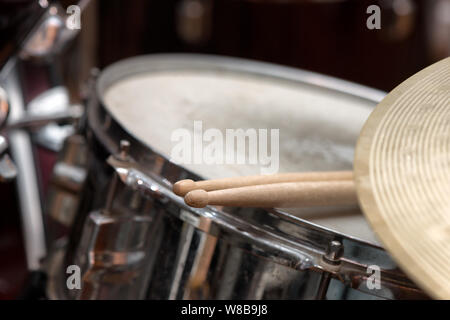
<point>133,238</point>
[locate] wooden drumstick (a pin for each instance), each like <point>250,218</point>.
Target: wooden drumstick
<point>182,187</point>
<point>279,195</point>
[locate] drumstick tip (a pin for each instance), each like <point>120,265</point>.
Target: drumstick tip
<point>197,198</point>
<point>180,188</point>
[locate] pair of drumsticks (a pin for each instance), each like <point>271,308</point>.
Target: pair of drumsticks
<point>285,190</point>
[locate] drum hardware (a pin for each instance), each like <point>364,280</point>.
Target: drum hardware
<point>50,35</point>
<point>118,264</point>
<point>124,150</point>
<point>28,121</point>
<point>334,253</point>
<point>122,155</point>
<point>332,257</point>
<point>53,103</point>
<point>40,42</point>
<point>69,176</point>
<point>27,182</point>
<point>44,44</point>
<point>32,121</point>
<point>70,171</point>
<point>126,170</point>
<point>8,170</point>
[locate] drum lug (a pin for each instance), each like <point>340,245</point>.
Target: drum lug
<point>334,252</point>
<point>67,181</point>
<point>331,258</point>
<point>112,254</point>
<point>124,150</point>
<point>122,155</point>
<point>128,171</point>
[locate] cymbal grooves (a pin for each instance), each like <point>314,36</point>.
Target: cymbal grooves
<point>402,170</point>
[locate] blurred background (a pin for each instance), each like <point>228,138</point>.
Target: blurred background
<point>329,37</point>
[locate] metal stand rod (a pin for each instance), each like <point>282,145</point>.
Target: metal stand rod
<point>27,182</point>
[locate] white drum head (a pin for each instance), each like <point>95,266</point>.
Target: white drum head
<point>318,127</point>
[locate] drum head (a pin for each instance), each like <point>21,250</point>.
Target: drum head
<point>317,118</point>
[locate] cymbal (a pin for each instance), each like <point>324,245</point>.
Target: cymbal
<point>402,176</point>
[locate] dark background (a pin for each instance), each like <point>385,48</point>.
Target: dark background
<point>328,37</point>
